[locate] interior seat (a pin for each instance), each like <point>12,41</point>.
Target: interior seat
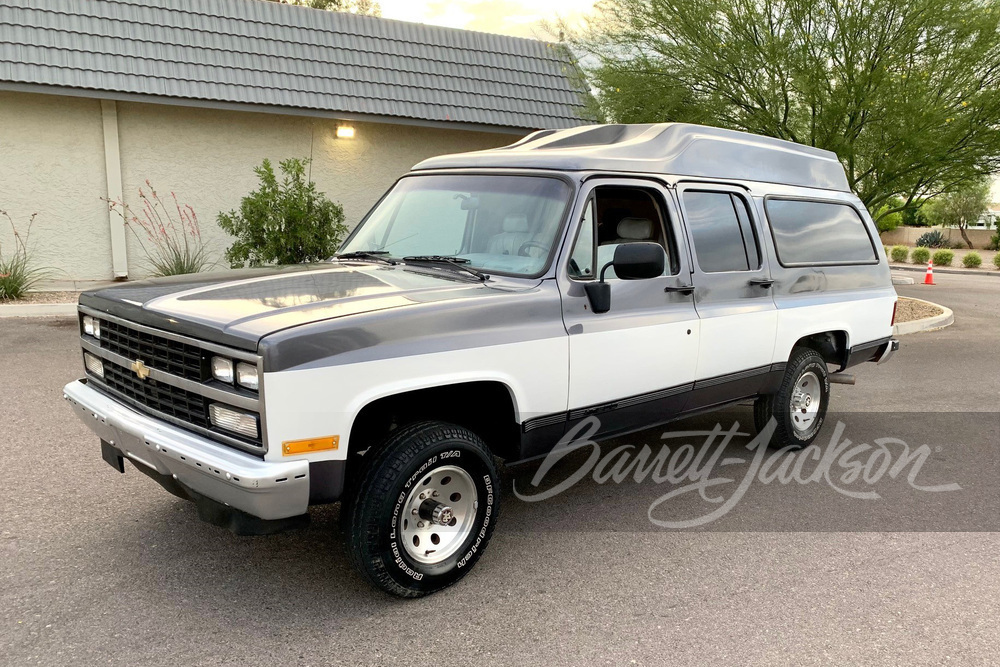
<point>629,230</point>
<point>514,234</point>
<point>634,229</point>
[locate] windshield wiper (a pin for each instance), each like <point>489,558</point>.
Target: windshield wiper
<point>447,260</point>
<point>374,255</point>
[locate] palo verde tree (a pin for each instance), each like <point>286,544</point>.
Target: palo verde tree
<point>961,207</point>
<point>906,92</point>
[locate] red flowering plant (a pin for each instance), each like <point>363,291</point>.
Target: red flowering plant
<point>18,273</point>
<point>167,232</point>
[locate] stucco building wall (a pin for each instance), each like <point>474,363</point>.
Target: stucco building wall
<point>52,164</point>
<point>52,161</point>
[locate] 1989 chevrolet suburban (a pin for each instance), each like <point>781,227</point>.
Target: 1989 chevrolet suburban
<point>488,303</point>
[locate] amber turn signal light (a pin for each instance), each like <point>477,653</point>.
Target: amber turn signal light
<point>291,447</point>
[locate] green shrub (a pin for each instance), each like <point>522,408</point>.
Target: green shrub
<point>900,253</point>
<point>920,256</point>
<point>18,273</point>
<point>994,243</point>
<point>887,223</point>
<point>996,260</point>
<point>972,260</point>
<point>284,223</point>
<point>943,257</point>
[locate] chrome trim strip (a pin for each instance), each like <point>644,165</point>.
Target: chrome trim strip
<point>213,393</point>
<point>136,406</point>
<point>210,347</point>
<point>547,420</point>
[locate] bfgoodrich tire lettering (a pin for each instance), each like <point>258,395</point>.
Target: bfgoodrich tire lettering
<point>392,476</point>
<point>798,427</point>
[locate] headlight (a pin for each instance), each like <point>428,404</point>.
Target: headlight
<point>246,375</point>
<point>94,365</point>
<point>222,369</point>
<point>92,326</point>
<point>233,420</point>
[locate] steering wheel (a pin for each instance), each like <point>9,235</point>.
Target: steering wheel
<point>522,251</point>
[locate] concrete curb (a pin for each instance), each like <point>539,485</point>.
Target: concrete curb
<point>947,318</point>
<point>944,270</point>
<point>38,310</point>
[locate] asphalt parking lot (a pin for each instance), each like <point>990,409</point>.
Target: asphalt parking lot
<point>102,568</point>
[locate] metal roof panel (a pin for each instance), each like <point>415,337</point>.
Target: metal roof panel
<point>265,53</point>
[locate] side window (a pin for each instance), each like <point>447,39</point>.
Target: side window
<point>812,232</point>
<point>615,215</point>
<point>724,239</point>
<point>581,263</point>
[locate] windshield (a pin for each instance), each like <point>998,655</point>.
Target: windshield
<point>505,224</point>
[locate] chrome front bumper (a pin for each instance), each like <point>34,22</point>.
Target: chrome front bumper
<point>268,490</point>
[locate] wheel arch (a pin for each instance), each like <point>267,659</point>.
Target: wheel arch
<point>488,407</point>
<point>832,344</point>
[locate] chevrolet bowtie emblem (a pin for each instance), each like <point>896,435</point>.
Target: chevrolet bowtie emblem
<point>140,369</point>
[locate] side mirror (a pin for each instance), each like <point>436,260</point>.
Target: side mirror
<point>632,261</point>
<point>638,261</point>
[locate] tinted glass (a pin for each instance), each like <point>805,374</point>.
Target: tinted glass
<point>808,232</point>
<point>719,239</point>
<point>749,236</point>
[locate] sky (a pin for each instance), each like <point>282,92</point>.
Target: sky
<point>520,18</point>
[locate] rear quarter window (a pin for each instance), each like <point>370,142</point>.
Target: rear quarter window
<point>812,232</point>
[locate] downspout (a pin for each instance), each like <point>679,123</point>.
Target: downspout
<point>113,169</point>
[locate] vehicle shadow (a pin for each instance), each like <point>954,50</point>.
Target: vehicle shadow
<point>186,559</point>
<point>180,557</point>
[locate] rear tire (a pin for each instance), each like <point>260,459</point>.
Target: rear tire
<point>424,510</point>
<point>799,406</point>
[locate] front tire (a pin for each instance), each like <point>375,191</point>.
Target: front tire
<point>425,509</point>
<point>799,406</point>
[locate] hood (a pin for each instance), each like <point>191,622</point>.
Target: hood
<point>238,308</point>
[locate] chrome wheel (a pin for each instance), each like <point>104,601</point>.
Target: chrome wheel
<point>439,514</point>
<point>805,402</point>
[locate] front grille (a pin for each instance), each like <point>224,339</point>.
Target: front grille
<point>163,354</point>
<point>164,398</point>
<point>182,388</point>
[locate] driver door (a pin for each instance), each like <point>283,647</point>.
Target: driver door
<point>633,366</point>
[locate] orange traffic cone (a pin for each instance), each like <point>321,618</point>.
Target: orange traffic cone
<point>929,276</point>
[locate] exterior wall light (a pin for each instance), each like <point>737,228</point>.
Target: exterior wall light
<point>345,132</point>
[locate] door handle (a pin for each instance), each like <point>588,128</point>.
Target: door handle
<point>681,289</point>
<point>762,282</point>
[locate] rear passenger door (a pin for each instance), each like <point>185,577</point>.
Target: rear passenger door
<point>732,293</point>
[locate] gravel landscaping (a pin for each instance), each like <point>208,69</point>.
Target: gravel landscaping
<point>908,310</point>
<point>45,297</point>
